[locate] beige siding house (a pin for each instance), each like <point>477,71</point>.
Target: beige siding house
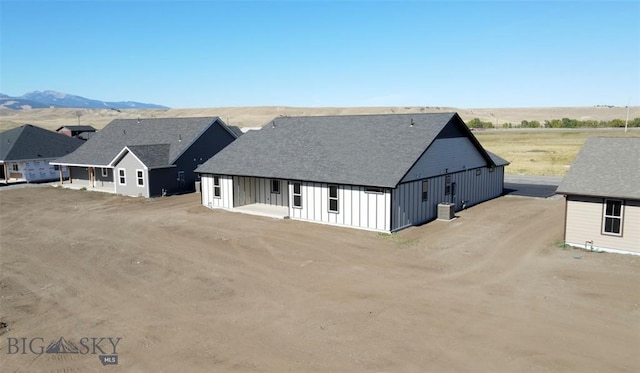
<point>602,192</point>
<point>375,172</point>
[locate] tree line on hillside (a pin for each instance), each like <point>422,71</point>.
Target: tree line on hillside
<point>557,123</point>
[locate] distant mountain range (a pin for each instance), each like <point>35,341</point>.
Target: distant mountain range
<point>47,99</point>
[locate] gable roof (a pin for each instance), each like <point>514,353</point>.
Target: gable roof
<point>106,144</point>
<point>605,167</point>
<point>370,150</point>
<point>78,128</point>
<point>31,142</point>
<point>152,156</point>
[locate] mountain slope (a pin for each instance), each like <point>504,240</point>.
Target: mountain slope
<point>46,99</point>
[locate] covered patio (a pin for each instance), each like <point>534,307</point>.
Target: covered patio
<point>261,209</point>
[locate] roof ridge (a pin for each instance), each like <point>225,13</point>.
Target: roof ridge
<point>359,115</point>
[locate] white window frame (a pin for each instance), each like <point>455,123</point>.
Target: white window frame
<point>104,172</point>
<point>297,195</point>
<point>139,178</point>
<point>605,216</point>
<point>275,186</point>
<point>122,174</point>
<point>336,198</point>
<point>15,168</point>
<point>217,191</point>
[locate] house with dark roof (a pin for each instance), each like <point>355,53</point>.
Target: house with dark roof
<point>79,132</point>
<point>147,157</point>
<point>602,194</point>
<point>26,153</point>
<point>375,172</point>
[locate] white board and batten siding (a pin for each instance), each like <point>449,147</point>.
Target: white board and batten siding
<point>356,207</point>
<point>584,223</point>
<point>225,200</point>
<point>250,190</point>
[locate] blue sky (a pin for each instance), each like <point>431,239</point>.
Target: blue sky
<point>304,53</point>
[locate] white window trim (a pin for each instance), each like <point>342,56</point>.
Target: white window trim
<point>104,172</point>
<point>138,178</point>
<point>121,177</point>
<point>605,216</point>
<point>337,198</point>
<point>216,186</point>
<point>294,194</point>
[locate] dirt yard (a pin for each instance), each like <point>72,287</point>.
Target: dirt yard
<point>189,289</point>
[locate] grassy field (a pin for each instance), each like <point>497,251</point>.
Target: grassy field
<point>547,153</point>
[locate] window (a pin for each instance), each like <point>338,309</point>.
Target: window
<point>140,177</point>
<point>373,190</point>
<point>447,185</point>
<point>216,186</point>
<point>104,172</point>
<point>275,186</point>
<point>425,190</point>
<point>121,176</point>
<point>181,176</point>
<point>478,171</point>
<point>14,167</point>
<point>56,167</point>
<point>333,198</point>
<point>297,195</point>
<point>612,220</point>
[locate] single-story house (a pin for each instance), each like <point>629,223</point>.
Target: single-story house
<point>375,172</point>
<point>26,153</point>
<point>602,196</point>
<point>79,132</point>
<point>147,157</point>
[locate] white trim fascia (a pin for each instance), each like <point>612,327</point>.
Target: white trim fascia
<point>123,154</point>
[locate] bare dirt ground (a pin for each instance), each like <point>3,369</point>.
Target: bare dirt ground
<point>258,116</point>
<point>190,289</point>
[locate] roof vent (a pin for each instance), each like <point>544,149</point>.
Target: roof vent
<point>179,137</point>
<point>273,124</point>
<point>138,120</point>
<point>412,123</point>
<point>124,132</point>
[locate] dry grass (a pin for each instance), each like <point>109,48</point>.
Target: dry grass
<point>540,152</point>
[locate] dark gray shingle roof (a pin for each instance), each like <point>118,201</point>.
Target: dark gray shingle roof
<point>152,156</point>
<point>102,148</point>
<point>605,167</point>
<point>78,128</point>
<point>371,150</point>
<point>31,142</point>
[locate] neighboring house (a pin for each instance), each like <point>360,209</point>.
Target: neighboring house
<point>79,132</point>
<point>375,172</point>
<point>602,194</point>
<point>147,157</point>
<point>26,152</point>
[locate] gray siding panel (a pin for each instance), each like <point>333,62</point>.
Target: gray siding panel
<point>470,189</point>
<point>130,164</point>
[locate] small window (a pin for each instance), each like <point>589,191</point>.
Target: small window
<point>216,187</point>
<point>140,177</point>
<point>425,190</point>
<point>478,171</point>
<point>14,167</point>
<point>104,172</point>
<point>612,219</point>
<point>297,195</point>
<point>56,167</point>
<point>122,179</point>
<point>275,186</point>
<point>181,176</point>
<point>373,190</point>
<point>333,198</point>
<point>447,185</point>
